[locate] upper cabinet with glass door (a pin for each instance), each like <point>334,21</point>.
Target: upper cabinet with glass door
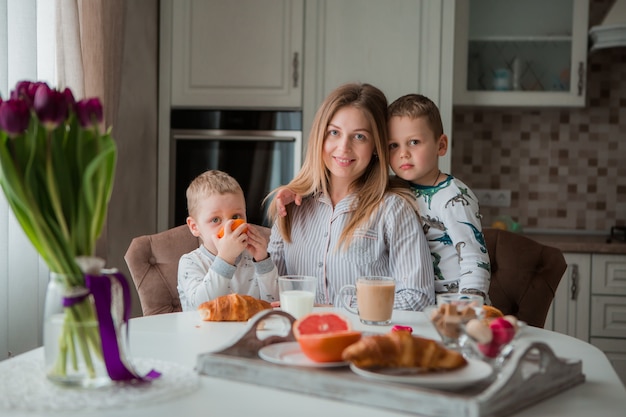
<point>520,53</point>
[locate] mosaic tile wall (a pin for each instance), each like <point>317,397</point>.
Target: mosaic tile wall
<point>565,167</point>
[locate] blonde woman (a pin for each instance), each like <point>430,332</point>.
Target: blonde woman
<point>351,221</point>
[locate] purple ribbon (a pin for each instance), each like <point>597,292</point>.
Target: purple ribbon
<point>112,315</point>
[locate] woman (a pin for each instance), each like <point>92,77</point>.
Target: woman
<point>351,221</point>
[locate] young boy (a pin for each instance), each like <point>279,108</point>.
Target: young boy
<point>238,262</point>
<point>448,208</point>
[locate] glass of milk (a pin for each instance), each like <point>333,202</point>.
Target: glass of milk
<point>297,293</point>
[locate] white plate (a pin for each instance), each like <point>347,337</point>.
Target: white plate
<point>474,371</point>
<point>289,353</point>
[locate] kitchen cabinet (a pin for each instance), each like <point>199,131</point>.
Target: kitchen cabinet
<point>608,309</point>
<point>521,53</point>
<point>401,47</point>
<point>569,313</point>
<point>236,54</point>
<point>590,304</point>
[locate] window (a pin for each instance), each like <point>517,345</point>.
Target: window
<point>27,52</point>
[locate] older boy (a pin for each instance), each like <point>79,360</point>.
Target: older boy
<point>448,209</point>
<point>237,262</point>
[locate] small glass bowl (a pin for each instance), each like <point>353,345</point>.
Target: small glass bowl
<point>496,351</point>
<point>451,313</point>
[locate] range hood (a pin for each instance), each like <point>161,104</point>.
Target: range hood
<point>612,32</point>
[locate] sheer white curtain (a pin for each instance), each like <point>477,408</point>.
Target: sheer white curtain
<point>27,52</point>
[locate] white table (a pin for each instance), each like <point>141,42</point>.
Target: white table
<point>180,337</point>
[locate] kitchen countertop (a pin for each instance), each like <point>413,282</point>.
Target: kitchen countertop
<point>580,243</point>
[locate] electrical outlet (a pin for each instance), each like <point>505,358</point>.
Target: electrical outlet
<point>493,198</point>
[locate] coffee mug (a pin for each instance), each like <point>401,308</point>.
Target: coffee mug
<point>297,294</point>
<point>374,298</point>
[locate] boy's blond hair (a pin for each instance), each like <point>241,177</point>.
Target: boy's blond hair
<point>417,105</point>
<point>209,183</point>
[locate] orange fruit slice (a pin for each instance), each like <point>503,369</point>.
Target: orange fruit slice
<point>324,336</point>
<point>491,312</point>
<point>235,224</point>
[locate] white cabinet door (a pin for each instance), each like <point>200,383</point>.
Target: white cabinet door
<point>570,311</point>
<point>236,54</point>
<point>521,53</point>
<point>608,308</point>
<point>401,47</point>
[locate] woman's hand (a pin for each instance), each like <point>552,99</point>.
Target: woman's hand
<point>284,197</point>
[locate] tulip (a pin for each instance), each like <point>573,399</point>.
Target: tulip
<point>69,99</point>
<point>25,90</point>
<point>14,116</point>
<point>51,106</point>
<point>89,112</point>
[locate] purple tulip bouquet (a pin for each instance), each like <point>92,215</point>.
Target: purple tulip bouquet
<point>57,171</point>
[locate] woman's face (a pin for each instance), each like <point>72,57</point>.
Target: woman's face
<point>348,146</point>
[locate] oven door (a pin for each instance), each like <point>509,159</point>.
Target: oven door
<point>260,160</point>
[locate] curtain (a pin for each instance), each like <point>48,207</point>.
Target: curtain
<point>90,41</point>
<point>27,45</point>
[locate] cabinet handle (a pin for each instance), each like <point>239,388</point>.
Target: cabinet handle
<point>574,278</point>
<point>295,74</point>
<point>581,77</point>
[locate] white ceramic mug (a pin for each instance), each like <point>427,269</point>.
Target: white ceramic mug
<point>374,298</point>
<point>297,294</point>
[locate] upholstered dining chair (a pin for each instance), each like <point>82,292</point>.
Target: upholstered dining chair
<point>524,275</point>
<point>153,264</point>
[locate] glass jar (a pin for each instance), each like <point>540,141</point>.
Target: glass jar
<point>72,345</point>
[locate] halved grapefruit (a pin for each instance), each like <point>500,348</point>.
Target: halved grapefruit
<point>324,336</point>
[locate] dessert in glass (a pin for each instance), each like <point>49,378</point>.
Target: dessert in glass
<point>451,313</point>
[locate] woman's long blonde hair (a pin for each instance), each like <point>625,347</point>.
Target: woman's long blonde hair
<point>314,177</point>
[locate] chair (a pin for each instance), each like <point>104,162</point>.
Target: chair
<point>524,275</point>
<point>153,264</point>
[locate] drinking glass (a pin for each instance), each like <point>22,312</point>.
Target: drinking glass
<point>297,294</point>
<point>374,298</point>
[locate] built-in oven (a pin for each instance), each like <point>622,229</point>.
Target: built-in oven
<point>260,149</point>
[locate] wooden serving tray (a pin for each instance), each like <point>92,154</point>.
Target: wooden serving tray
<point>532,373</point>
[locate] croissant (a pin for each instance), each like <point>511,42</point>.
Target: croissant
<point>400,349</point>
<point>232,307</point>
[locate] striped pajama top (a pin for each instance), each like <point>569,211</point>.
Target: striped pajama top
<point>392,245</point>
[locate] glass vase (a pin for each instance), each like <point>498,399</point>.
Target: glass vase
<point>72,345</point>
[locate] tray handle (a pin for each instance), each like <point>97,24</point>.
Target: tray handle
<point>248,344</point>
<point>533,372</point>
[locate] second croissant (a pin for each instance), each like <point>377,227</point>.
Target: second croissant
<point>400,349</point>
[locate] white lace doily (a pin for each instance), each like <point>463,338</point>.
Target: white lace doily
<point>24,386</point>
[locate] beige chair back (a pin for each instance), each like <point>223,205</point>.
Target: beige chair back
<point>153,264</point>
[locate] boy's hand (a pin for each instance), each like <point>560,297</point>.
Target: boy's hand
<point>284,197</point>
<point>233,243</point>
<point>257,244</point>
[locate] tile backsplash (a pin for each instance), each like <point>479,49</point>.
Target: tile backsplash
<point>565,167</point>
